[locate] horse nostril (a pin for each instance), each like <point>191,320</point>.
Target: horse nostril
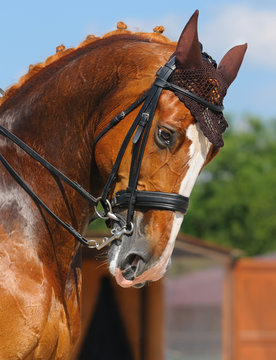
<point>132,266</point>
<point>135,261</point>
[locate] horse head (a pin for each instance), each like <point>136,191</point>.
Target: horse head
<point>184,136</point>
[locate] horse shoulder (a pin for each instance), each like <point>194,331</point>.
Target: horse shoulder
<point>32,309</point>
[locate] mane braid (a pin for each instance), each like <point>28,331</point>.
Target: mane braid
<point>63,56</point>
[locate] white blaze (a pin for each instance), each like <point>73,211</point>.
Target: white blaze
<point>198,152</point>
<point>199,149</point>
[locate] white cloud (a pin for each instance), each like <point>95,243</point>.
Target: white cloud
<point>224,28</point>
<point>236,24</point>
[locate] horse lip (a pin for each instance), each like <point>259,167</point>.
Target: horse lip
<point>121,280</point>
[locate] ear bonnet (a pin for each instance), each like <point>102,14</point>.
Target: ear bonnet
<point>198,74</point>
<point>207,83</point>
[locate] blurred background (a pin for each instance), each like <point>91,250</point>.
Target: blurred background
<point>233,205</point>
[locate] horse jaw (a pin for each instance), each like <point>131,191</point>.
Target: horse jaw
<point>198,152</point>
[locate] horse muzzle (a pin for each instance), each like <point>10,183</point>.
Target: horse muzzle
<point>132,258</point>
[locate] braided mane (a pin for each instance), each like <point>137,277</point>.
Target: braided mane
<point>63,53</point>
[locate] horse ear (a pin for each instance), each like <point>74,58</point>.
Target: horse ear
<point>188,54</point>
<point>231,62</point>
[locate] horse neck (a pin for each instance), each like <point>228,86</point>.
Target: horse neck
<point>56,113</point>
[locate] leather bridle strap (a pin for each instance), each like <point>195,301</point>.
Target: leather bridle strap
<point>153,200</point>
<point>118,118</point>
<point>139,144</point>
<point>114,171</point>
<point>91,199</point>
<point>139,122</point>
<point>131,198</point>
<point>170,86</point>
<point>39,202</point>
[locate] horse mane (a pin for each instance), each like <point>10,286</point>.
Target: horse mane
<point>63,53</point>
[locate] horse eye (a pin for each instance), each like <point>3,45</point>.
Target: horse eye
<point>165,135</point>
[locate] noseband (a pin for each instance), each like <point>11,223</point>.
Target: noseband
<point>131,198</point>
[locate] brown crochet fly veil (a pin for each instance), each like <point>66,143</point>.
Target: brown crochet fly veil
<point>198,74</point>
<point>207,85</point>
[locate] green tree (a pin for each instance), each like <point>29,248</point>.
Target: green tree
<point>234,201</point>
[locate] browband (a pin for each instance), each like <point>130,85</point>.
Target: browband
<point>170,86</point>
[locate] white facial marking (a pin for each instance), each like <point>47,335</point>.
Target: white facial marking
<point>198,152</point>
<point>199,149</point>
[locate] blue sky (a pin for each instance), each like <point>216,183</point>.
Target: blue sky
<point>31,30</point>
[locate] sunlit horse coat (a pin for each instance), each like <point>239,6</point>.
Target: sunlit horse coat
<point>58,109</point>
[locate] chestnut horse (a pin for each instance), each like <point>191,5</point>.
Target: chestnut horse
<point>58,109</point>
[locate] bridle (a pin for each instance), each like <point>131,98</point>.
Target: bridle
<point>131,198</point>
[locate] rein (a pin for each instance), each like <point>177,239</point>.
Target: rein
<point>130,198</point>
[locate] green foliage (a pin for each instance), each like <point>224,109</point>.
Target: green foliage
<point>234,201</point>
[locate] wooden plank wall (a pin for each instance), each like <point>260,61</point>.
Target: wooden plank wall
<point>141,311</point>
<point>252,310</point>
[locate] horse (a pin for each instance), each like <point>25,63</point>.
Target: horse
<point>62,110</point>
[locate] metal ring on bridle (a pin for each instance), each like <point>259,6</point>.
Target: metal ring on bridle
<point>108,213</point>
<point>100,215</point>
<point>129,231</point>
